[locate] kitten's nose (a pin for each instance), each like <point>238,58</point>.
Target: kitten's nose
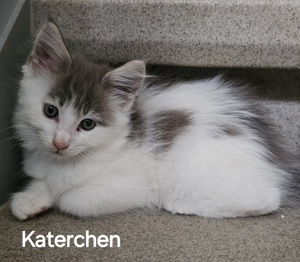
<point>60,145</point>
<point>61,140</point>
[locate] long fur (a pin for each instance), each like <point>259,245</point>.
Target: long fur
<point>199,147</point>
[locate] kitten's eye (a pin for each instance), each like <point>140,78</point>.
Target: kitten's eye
<point>50,111</point>
<point>87,124</point>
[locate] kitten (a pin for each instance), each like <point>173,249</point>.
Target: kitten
<point>100,140</point>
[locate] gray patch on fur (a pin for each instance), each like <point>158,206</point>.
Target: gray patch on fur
<point>228,131</point>
<point>231,131</point>
<point>82,84</point>
<point>161,130</point>
<point>166,126</point>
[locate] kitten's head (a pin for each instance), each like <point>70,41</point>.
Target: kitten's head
<point>69,106</point>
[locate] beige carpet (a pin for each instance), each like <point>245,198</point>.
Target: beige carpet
<point>243,33</point>
<point>161,236</point>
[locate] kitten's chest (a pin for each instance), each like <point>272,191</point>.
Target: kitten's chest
<point>71,175</point>
<point>59,175</point>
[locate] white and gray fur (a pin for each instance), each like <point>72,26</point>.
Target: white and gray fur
<point>196,147</point>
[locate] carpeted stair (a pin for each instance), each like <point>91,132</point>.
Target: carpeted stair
<point>203,33</point>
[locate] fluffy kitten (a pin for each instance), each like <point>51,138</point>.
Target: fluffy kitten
<point>99,140</point>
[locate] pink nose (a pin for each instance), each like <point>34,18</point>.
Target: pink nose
<point>60,145</point>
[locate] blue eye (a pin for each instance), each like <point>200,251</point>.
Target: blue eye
<point>50,111</point>
<point>87,124</point>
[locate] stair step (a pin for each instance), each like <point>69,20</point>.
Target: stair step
<point>231,33</point>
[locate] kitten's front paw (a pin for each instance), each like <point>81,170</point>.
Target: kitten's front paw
<point>26,205</point>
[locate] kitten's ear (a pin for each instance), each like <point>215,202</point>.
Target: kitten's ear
<point>125,82</point>
<point>49,52</point>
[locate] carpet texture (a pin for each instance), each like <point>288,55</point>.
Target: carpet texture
<point>161,236</point>
<point>231,33</point>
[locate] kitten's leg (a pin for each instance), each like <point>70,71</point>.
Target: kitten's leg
<point>34,200</point>
<point>100,200</point>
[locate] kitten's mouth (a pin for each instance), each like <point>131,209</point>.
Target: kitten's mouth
<point>62,153</point>
<point>59,152</point>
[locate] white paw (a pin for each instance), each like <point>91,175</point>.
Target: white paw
<point>179,207</point>
<point>26,205</point>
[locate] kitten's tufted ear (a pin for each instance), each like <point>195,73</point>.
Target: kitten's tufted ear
<point>125,82</point>
<point>49,52</point>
